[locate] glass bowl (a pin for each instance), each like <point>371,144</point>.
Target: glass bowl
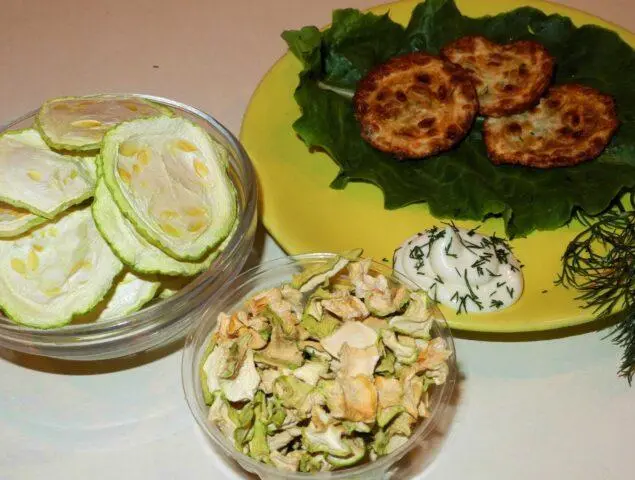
<point>271,274</point>
<point>163,321</point>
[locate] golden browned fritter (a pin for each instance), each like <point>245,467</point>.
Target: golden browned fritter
<point>415,105</point>
<point>508,78</point>
<point>571,124</point>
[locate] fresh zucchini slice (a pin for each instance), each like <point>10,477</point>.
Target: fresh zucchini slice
<point>129,295</point>
<point>62,269</point>
<point>38,179</point>
<point>171,285</point>
<point>79,123</point>
<point>169,178</point>
<point>132,248</point>
<point>90,167</point>
<point>15,221</point>
<point>166,293</point>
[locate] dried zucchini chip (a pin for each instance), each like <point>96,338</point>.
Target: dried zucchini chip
<point>313,276</point>
<point>57,271</point>
<point>358,361</point>
<point>258,447</point>
<point>418,318</point>
<point>311,372</point>
<point>280,352</point>
<point>169,178</point>
<point>132,248</point>
<point>406,354</point>
<point>329,441</point>
<point>358,449</point>
<point>14,221</point>
<point>79,123</point>
<point>289,462</point>
<point>291,391</point>
<point>355,334</point>
<point>36,178</point>
<point>245,382</point>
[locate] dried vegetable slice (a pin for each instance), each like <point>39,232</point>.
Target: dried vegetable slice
<point>289,392</point>
<point>169,178</point>
<point>79,123</point>
<point>15,221</point>
<point>140,255</point>
<point>311,277</point>
<point>57,271</point>
<point>36,178</point>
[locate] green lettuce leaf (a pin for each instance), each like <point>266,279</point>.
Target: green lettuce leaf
<point>463,183</point>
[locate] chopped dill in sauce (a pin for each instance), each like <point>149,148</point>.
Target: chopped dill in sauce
<point>462,268</point>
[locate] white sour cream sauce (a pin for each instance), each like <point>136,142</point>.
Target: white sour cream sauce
<point>462,269</point>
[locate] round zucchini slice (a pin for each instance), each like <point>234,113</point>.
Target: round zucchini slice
<point>36,178</point>
<point>90,167</point>
<point>169,178</point>
<point>79,123</point>
<point>128,296</point>
<point>62,269</point>
<point>132,248</point>
<point>15,221</point>
<point>171,285</point>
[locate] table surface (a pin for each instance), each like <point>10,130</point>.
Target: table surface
<point>547,407</point>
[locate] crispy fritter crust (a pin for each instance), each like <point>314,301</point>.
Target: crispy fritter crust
<point>508,78</point>
<point>415,105</point>
<point>571,124</point>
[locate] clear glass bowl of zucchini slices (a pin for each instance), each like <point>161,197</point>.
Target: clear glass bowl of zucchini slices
<point>321,366</point>
<point>119,216</point>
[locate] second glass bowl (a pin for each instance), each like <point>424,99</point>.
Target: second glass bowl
<point>271,274</point>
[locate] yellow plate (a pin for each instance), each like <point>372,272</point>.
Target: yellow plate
<point>304,214</point>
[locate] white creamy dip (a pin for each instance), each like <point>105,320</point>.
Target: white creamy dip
<point>462,269</point>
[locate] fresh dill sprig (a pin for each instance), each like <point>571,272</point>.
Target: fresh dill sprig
<point>600,263</point>
<point>624,335</point>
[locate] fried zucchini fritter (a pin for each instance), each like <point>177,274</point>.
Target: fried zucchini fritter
<point>571,124</point>
<point>415,105</point>
<point>508,78</point>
